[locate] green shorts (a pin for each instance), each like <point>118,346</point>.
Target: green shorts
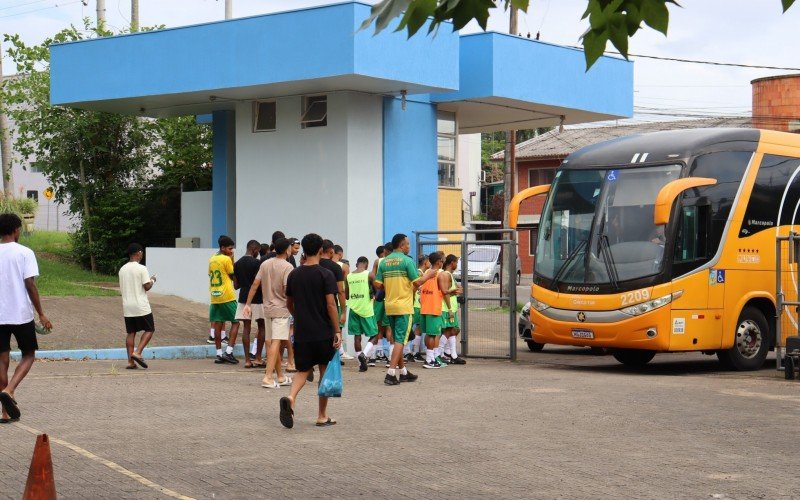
<point>431,325</point>
<point>446,323</point>
<point>220,313</point>
<point>380,313</point>
<point>401,327</point>
<point>359,325</point>
<point>417,317</point>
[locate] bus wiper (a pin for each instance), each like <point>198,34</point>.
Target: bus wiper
<point>608,260</point>
<point>569,259</point>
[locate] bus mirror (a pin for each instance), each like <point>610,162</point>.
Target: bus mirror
<point>513,207</point>
<point>670,191</point>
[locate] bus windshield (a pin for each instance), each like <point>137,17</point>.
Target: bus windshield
<point>597,226</point>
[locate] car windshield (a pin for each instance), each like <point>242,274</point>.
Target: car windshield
<point>597,226</point>
<point>483,255</point>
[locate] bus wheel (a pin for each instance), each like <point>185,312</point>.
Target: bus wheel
<point>534,346</point>
<point>750,345</point>
<point>633,357</point>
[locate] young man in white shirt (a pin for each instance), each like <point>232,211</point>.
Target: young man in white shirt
<point>19,297</point>
<point>134,283</point>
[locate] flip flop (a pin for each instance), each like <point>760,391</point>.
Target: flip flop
<point>8,420</point>
<point>273,385</point>
<point>251,365</point>
<point>287,381</point>
<point>326,423</point>
<point>131,367</point>
<point>287,414</point>
<point>260,365</point>
<point>139,361</point>
<point>10,406</point>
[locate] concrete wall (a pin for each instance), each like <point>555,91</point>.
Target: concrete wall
<point>182,271</point>
<point>196,217</point>
<point>468,166</point>
<point>320,179</point>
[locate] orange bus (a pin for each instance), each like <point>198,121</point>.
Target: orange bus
<point>665,242</point>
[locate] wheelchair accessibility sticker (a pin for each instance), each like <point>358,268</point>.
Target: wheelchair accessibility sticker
<point>716,276</point>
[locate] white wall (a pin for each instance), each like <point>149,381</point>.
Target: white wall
<point>326,180</point>
<point>196,217</point>
<point>182,271</point>
<point>468,166</point>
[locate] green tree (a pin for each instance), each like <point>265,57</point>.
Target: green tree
<point>120,174</point>
<point>609,20</point>
<point>183,153</point>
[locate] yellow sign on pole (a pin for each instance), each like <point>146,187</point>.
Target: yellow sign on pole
<point>48,193</point>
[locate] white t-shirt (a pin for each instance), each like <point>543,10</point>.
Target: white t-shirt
<point>132,277</point>
<point>17,263</point>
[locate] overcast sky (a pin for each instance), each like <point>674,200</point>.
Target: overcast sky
<point>738,31</point>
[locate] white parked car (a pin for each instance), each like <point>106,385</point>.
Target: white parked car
<point>484,264</point>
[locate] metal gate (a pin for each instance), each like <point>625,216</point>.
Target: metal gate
<point>488,316</point>
<point>787,279</point>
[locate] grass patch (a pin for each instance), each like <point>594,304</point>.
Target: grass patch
<point>59,276</point>
<point>51,242</point>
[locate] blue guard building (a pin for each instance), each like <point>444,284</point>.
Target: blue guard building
<point>319,126</point>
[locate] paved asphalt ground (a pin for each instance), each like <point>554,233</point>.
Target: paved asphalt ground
<point>560,423</point>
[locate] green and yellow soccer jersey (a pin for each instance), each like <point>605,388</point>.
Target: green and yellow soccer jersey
<point>358,300</point>
<point>397,273</point>
<point>220,269</point>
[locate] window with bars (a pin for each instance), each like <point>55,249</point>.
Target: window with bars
<point>446,148</point>
<point>540,176</point>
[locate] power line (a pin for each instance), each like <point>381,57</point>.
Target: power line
<point>22,5</point>
<point>41,9</point>
<point>698,61</point>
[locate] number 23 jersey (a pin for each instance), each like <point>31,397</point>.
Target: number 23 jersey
<point>220,268</point>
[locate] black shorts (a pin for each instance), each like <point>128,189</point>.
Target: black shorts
<point>25,335</point>
<point>140,324</point>
<point>309,354</point>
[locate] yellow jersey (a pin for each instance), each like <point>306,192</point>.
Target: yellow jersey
<point>220,269</point>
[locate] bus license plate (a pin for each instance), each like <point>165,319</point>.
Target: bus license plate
<point>582,334</point>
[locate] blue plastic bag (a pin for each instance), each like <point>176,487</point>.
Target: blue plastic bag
<point>331,384</point>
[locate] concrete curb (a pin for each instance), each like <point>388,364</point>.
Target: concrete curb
<point>166,352</point>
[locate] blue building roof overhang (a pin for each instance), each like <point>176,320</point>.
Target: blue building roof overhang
<point>518,83</point>
<point>208,67</point>
<point>493,81</point>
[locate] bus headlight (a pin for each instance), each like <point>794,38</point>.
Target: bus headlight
<point>539,306</point>
<point>526,311</point>
<point>650,305</point>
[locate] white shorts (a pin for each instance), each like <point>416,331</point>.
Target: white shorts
<point>257,311</point>
<point>277,328</point>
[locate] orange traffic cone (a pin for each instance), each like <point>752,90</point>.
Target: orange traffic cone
<point>41,484</point>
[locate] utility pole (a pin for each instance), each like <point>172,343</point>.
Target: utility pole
<point>228,9</point>
<point>101,14</point>
<point>508,181</point>
<point>134,16</point>
<point>5,141</point>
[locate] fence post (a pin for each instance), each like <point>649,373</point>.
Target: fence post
<point>778,303</point>
<point>512,288</point>
<point>465,303</point>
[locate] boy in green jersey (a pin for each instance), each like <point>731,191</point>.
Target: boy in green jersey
<point>222,287</point>
<point>412,349</point>
<point>450,323</point>
<point>361,319</point>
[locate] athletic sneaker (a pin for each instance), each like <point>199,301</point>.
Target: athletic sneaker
<point>362,362</point>
<point>410,358</point>
<point>419,357</point>
<point>408,377</point>
<point>441,361</point>
<point>391,380</point>
<point>457,361</point>
<point>446,358</point>
<point>432,365</point>
<point>347,356</point>
<point>229,358</point>
<point>210,339</point>
<point>219,360</point>
<point>372,362</point>
<point>225,341</point>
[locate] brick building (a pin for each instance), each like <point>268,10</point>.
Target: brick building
<point>538,158</point>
